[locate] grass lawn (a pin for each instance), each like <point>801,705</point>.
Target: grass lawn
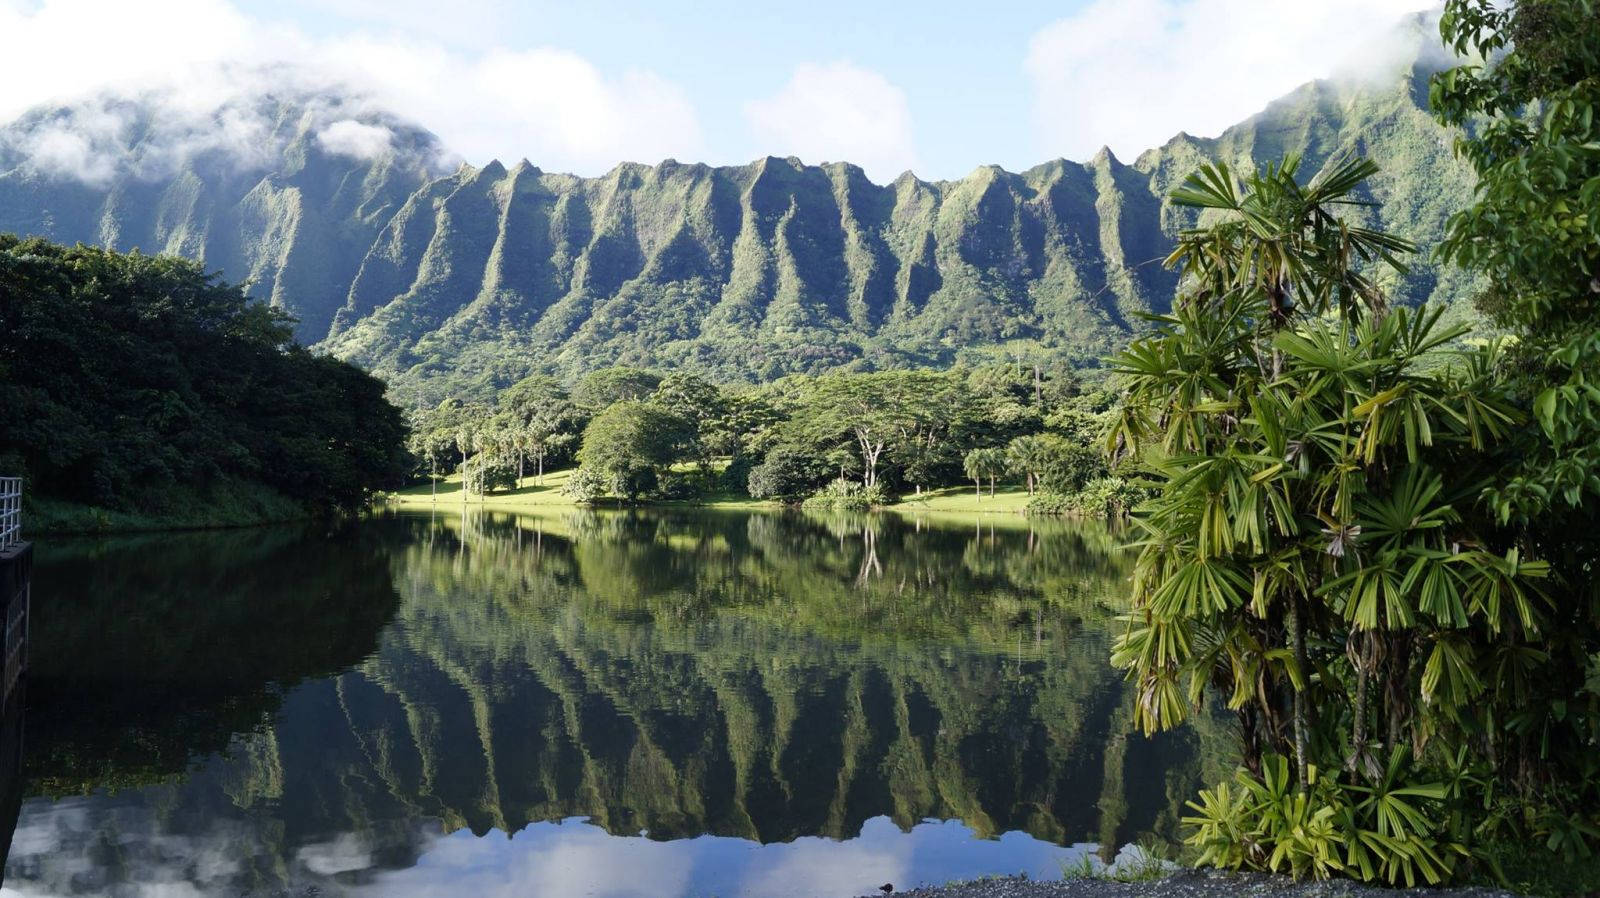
<point>530,494</point>
<point>1006,500</point>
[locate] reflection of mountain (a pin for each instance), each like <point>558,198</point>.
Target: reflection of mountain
<point>682,675</point>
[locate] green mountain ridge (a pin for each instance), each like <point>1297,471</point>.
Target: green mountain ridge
<point>280,211</point>
<point>463,283</point>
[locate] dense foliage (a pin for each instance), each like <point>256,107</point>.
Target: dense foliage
<point>1362,544</point>
<point>1534,230</point>
<point>847,440</point>
<point>141,383</point>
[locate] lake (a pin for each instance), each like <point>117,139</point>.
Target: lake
<point>651,703</point>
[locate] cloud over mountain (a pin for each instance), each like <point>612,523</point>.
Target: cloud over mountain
<point>198,59</point>
<point>1128,73</point>
<point>840,112</point>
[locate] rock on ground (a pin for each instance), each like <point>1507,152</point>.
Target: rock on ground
<point>1193,884</point>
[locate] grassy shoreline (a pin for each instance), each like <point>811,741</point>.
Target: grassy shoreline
<point>531,494</point>
<point>233,506</point>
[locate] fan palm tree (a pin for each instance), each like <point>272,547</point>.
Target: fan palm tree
<point>1314,543</point>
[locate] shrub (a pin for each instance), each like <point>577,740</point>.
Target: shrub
<point>1393,830</point>
<point>735,478</point>
<point>847,495</point>
<point>1107,498</point>
<point>585,485</point>
<point>679,485</point>
<point>490,474</point>
<point>786,473</point>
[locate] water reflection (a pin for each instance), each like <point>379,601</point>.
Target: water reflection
<point>733,703</point>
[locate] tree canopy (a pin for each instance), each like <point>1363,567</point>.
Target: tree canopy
<point>134,382</point>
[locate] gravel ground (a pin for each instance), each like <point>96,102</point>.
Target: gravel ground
<point>1191,884</point>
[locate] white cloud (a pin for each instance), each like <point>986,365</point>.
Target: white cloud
<point>837,112</point>
<point>348,137</point>
<point>551,106</point>
<point>1131,73</point>
<point>204,60</point>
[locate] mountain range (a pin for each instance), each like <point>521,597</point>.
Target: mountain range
<point>455,280</point>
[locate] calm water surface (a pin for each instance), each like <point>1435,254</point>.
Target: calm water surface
<point>583,703</point>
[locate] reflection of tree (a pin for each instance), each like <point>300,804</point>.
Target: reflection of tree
<point>700,672</point>
<point>148,652</point>
<point>869,557</point>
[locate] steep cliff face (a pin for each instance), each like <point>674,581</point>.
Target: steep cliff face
<point>462,282</point>
<point>254,188</point>
<point>750,271</point>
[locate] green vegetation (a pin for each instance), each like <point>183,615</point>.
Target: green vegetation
<point>1361,542</point>
<point>745,274</point>
<point>843,441</point>
<point>460,284</point>
<point>140,392</point>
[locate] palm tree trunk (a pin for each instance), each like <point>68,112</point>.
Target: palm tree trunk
<point>1297,628</point>
<point>1358,730</point>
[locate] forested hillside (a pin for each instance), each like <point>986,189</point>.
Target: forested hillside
<point>141,391</point>
<point>459,284</point>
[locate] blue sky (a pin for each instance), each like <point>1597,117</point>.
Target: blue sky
<point>961,70</point>
<point>936,87</point>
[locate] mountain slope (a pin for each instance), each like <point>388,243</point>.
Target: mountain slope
<point>251,188</point>
<point>459,283</point>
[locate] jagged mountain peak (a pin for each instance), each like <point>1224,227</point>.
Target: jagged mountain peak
<point>459,281</point>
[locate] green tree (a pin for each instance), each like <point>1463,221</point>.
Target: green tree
<point>550,428</point>
<point>1534,230</point>
<point>1314,543</point>
<point>599,389</point>
<point>787,472</point>
<point>912,412</point>
<point>145,384</point>
<point>630,444</point>
<point>984,463</point>
<point>1029,456</point>
<point>700,402</point>
<point>1528,104</point>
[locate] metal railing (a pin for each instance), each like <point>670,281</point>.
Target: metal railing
<point>10,511</point>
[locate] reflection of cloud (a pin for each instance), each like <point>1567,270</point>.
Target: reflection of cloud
<point>56,844</point>
<point>576,858</point>
<point>824,867</point>
<point>573,858</point>
<point>60,848</point>
<point>340,854</point>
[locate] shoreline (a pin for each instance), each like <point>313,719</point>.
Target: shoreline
<point>1185,884</point>
<point>530,496</point>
